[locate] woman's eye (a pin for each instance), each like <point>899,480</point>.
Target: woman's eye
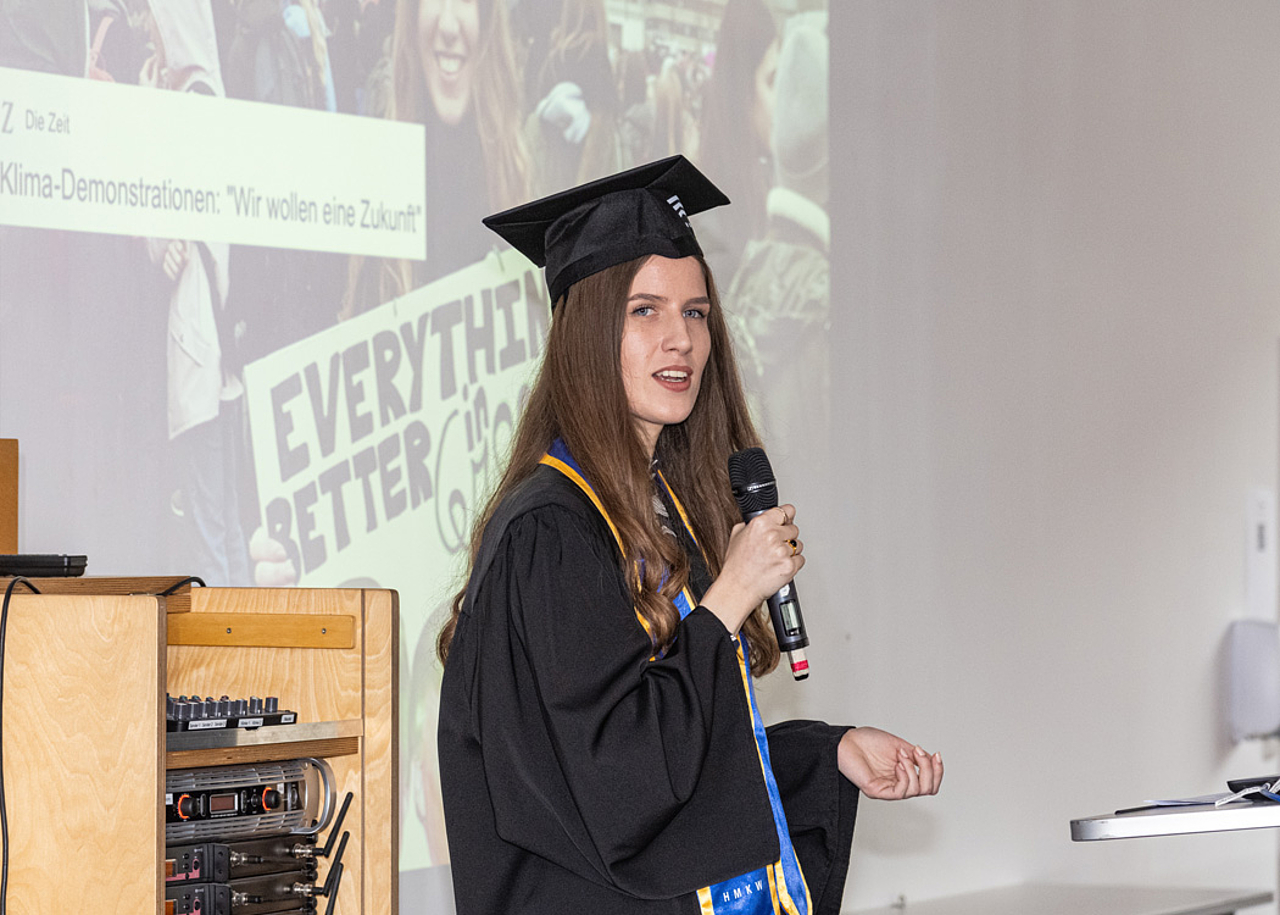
<point>695,313</point>
<point>642,310</point>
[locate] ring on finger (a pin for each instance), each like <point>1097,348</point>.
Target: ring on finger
<point>794,548</point>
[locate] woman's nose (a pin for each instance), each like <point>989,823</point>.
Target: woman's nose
<point>447,23</point>
<point>676,337</point>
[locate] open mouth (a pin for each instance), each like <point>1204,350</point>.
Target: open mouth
<point>673,379</point>
<point>449,64</point>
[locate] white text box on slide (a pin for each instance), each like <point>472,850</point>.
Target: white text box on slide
<point>93,156</point>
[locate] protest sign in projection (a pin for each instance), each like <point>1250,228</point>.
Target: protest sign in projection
<point>373,440</point>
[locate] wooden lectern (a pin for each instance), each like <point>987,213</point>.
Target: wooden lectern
<point>86,668</point>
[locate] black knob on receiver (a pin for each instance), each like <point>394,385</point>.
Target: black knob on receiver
<point>270,799</point>
<point>186,806</point>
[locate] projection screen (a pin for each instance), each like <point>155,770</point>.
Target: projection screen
<point>254,329</point>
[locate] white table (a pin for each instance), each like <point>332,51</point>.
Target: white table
<point>1066,899</point>
<point>1175,821</point>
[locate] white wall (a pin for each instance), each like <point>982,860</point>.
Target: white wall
<point>1058,271</point>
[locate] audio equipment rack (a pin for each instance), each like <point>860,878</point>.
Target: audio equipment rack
<point>88,666</point>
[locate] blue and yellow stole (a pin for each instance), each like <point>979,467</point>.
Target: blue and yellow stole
<point>775,889</point>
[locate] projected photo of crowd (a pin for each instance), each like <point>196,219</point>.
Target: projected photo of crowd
<point>263,409</point>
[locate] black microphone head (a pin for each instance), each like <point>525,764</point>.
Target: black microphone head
<point>752,479</point>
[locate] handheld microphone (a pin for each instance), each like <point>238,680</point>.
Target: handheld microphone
<point>756,492</point>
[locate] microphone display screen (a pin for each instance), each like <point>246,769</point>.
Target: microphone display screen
<point>790,611</point>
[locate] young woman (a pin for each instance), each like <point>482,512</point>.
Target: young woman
<point>453,71</point>
<point>600,747</point>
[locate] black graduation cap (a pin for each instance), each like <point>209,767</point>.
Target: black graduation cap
<point>589,228</point>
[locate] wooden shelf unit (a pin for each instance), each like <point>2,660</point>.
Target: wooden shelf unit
<point>190,749</point>
<point>86,667</point>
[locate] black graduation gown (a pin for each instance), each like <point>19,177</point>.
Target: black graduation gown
<point>581,776</point>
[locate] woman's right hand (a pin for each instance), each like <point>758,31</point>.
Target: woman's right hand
<point>762,557</point>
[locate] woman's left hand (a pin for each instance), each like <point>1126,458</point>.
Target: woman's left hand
<point>887,767</point>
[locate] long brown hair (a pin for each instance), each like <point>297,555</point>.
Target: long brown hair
<point>580,398</point>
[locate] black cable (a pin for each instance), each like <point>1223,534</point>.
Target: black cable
<point>4,814</point>
<point>194,579</point>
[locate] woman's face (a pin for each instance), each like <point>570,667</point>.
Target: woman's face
<point>665,343</point>
<point>448,43</point>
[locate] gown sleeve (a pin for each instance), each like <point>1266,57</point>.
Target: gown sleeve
<point>820,803</point>
<point>640,774</point>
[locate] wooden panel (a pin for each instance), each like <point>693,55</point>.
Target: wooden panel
<point>82,756</point>
<point>321,685</point>
<point>8,495</point>
<point>271,752</point>
<point>347,771</point>
<point>381,759</point>
<point>318,685</point>
<point>262,630</point>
